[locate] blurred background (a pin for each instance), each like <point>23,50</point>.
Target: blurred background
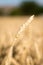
<point>21,7</point>
<point>13,13</point>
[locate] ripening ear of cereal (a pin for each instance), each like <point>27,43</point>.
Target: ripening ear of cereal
<point>20,32</point>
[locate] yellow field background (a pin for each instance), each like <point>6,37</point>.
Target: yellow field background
<point>9,27</point>
<point>12,24</point>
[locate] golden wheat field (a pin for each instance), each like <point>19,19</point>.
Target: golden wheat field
<point>27,50</point>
